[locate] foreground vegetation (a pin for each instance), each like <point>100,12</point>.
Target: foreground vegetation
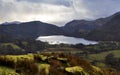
<point>49,64</point>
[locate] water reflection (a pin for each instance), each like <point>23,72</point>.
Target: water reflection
<point>64,39</point>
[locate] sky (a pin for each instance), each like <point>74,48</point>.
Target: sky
<point>57,12</point>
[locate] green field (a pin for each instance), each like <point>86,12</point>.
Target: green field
<point>101,56</point>
<point>14,46</point>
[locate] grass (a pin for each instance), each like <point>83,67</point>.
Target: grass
<point>12,45</point>
<point>7,71</point>
<point>28,56</point>
<point>101,56</point>
<point>45,67</point>
<point>62,59</point>
<point>64,50</point>
<point>76,69</point>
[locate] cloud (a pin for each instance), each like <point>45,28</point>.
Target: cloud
<point>56,11</point>
<point>102,8</point>
<point>55,2</point>
<point>25,11</point>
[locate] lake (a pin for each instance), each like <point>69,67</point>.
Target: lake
<point>57,39</point>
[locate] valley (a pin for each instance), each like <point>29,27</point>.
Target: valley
<point>68,50</point>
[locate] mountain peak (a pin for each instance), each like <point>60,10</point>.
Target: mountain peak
<point>118,13</point>
<point>8,23</point>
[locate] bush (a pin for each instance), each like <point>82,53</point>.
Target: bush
<point>26,67</point>
<point>4,61</point>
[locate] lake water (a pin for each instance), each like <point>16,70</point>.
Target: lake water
<point>57,39</point>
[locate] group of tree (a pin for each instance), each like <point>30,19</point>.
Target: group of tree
<point>112,61</point>
<point>10,45</point>
<point>99,47</point>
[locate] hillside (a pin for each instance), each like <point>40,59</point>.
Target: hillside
<point>78,27</point>
<point>110,31</point>
<point>31,29</point>
<point>99,29</point>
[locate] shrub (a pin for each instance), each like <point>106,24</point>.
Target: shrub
<point>26,67</point>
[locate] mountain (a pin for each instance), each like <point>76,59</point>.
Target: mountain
<point>78,28</point>
<point>9,23</point>
<point>110,31</point>
<point>75,27</point>
<point>99,29</point>
<point>31,29</point>
<point>102,29</point>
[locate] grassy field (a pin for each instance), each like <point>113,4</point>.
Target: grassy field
<point>101,56</point>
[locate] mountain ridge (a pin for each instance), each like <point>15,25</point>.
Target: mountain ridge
<point>93,30</point>
<point>109,31</point>
<point>31,29</point>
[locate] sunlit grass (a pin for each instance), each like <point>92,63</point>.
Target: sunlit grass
<point>7,71</point>
<point>11,44</point>
<point>46,67</point>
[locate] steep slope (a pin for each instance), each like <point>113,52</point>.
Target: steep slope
<point>75,27</point>
<point>110,31</point>
<point>30,29</point>
<point>79,28</point>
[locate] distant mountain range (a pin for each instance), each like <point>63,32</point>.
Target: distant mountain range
<point>110,31</point>
<point>102,29</point>
<point>31,29</point>
<point>107,29</point>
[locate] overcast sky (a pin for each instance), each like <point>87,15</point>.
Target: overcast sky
<point>56,12</point>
